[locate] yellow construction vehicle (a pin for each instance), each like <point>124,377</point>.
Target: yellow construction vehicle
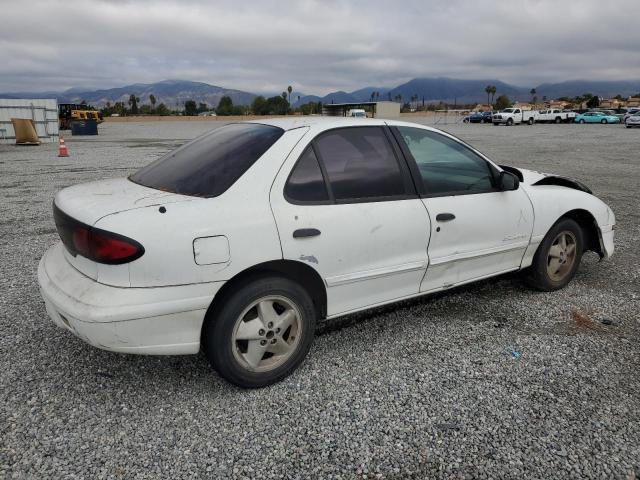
<point>68,112</point>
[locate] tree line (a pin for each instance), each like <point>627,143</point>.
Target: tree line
<point>276,105</point>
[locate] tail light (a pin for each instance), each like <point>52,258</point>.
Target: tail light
<point>93,243</point>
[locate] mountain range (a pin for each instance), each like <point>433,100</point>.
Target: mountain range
<point>174,93</point>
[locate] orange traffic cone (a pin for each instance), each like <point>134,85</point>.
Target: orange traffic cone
<point>62,148</point>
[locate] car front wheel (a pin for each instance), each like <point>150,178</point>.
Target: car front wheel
<point>556,261</point>
<point>581,121</point>
<point>261,333</point>
<point>604,120</point>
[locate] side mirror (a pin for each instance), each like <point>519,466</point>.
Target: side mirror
<point>508,181</point>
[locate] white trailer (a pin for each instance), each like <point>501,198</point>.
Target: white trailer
<point>43,112</point>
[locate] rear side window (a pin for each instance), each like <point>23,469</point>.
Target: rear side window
<point>360,163</point>
<point>306,183</point>
<point>210,164</point>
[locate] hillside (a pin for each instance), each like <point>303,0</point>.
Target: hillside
<point>174,93</point>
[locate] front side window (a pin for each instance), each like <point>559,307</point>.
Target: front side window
<point>360,163</point>
<point>445,165</point>
<point>210,164</point>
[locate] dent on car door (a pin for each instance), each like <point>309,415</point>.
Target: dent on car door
<point>365,229</point>
<point>477,230</point>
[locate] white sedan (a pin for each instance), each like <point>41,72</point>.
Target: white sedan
<point>632,120</point>
<point>239,241</point>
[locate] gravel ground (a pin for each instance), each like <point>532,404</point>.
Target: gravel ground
<point>487,381</point>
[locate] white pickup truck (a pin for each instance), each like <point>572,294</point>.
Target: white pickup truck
<point>514,116</point>
<point>555,115</point>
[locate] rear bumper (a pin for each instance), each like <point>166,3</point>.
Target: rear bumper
<point>152,321</point>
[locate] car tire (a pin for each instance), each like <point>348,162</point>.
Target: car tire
<point>604,121</point>
<point>510,122</point>
<point>581,120</point>
<point>556,260</point>
<point>531,121</point>
<point>558,120</point>
<point>268,353</point>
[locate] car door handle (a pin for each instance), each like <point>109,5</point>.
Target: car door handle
<point>445,217</point>
<point>306,232</point>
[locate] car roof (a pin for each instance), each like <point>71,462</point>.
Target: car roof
<point>321,123</point>
<point>298,121</point>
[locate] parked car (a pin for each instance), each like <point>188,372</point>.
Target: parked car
<point>239,241</point>
<point>475,117</point>
<point>596,117</point>
<point>514,116</point>
<point>486,117</point>
<point>633,120</point>
<point>630,111</point>
<point>555,115</point>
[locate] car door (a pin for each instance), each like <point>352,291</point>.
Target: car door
<point>476,229</point>
<point>345,205</point>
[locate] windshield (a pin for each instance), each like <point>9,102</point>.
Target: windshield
<point>508,110</point>
<point>210,164</point>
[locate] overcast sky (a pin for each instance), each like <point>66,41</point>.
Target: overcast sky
<point>315,46</point>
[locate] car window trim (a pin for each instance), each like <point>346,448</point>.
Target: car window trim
<point>407,178</point>
<point>415,171</point>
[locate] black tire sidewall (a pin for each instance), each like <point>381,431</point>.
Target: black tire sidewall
<point>539,277</point>
<point>217,335</point>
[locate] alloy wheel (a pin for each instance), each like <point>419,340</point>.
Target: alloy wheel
<point>562,256</point>
<point>266,333</point>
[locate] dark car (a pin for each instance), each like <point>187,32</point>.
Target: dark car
<point>478,117</point>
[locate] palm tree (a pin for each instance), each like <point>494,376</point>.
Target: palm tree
<point>373,95</point>
<point>493,92</point>
<point>487,90</point>
<point>152,99</point>
<point>533,95</point>
<point>289,89</point>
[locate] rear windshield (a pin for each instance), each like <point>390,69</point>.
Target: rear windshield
<point>210,164</point>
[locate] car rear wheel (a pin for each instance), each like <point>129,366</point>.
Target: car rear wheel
<point>261,333</point>
<point>557,259</point>
<point>581,120</point>
<point>558,120</point>
<point>531,121</point>
<point>604,120</point>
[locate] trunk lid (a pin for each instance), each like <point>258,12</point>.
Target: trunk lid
<point>89,202</point>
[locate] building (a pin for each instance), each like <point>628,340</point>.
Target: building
<point>482,107</point>
<point>523,105</point>
<point>633,102</point>
<point>373,109</point>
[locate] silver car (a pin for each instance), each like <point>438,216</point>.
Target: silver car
<point>633,120</point>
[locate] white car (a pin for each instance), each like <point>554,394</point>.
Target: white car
<point>632,120</point>
<point>239,241</point>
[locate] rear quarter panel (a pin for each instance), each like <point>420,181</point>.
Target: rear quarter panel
<point>242,214</point>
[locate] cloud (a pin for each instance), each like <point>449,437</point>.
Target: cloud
<point>315,46</point>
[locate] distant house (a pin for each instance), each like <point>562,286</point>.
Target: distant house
<point>523,105</point>
<point>560,104</point>
<point>482,107</point>
<point>633,102</point>
<point>611,103</point>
